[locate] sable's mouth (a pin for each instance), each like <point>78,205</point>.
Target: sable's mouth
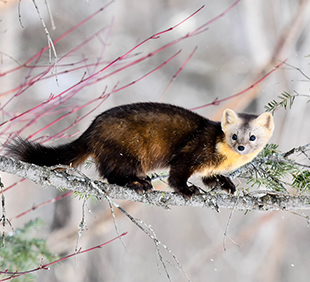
<point>241,152</point>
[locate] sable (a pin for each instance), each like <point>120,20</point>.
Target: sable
<point>128,141</point>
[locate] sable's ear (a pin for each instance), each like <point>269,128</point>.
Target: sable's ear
<point>266,120</point>
<point>229,117</point>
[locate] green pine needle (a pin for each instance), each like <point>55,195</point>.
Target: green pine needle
<point>273,171</point>
<point>286,100</point>
<point>22,251</point>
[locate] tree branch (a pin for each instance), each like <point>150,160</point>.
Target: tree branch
<point>46,176</point>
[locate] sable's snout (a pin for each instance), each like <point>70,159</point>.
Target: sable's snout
<point>241,148</point>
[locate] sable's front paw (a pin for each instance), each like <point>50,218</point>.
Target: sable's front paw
<point>220,181</point>
<point>227,184</point>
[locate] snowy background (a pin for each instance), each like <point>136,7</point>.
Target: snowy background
<point>234,52</point>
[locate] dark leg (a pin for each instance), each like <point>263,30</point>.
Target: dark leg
<point>219,180</point>
<point>178,181</point>
<point>139,184</point>
<point>124,172</point>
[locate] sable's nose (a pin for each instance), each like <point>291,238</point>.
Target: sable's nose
<point>241,148</point>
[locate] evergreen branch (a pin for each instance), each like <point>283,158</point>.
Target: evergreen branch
<point>286,100</point>
<point>272,166</point>
<point>22,250</point>
<point>45,266</point>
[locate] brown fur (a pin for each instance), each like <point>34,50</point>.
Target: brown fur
<point>129,141</point>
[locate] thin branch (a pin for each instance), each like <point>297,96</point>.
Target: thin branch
<point>299,70</point>
<point>94,78</point>
<point>34,207</point>
<point>140,224</point>
<point>82,226</point>
<point>228,224</point>
<point>57,39</point>
<point>51,47</point>
<point>4,218</point>
<point>19,15</point>
<point>176,74</point>
<point>217,101</point>
<point>50,14</point>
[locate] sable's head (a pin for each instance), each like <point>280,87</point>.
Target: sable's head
<point>246,133</point>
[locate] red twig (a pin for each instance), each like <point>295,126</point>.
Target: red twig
<point>177,73</point>
<point>59,38</point>
<point>86,81</point>
<point>103,97</point>
<point>38,78</point>
<point>14,184</point>
<point>42,204</point>
<point>204,26</point>
<point>217,101</point>
<point>147,74</point>
<point>82,81</point>
<point>157,35</point>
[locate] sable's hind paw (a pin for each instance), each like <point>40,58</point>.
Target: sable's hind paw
<point>189,191</point>
<point>140,185</point>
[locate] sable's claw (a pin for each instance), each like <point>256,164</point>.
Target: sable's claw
<point>229,187</point>
<point>227,184</point>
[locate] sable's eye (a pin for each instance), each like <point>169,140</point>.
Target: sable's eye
<point>234,137</point>
<point>252,138</point>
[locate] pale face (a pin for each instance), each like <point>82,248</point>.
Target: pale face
<point>248,138</point>
<point>245,133</point>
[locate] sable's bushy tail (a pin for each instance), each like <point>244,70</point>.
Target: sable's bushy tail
<point>73,153</point>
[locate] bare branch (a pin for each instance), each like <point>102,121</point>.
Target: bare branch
<point>50,43</point>
<point>45,176</point>
<point>50,14</point>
